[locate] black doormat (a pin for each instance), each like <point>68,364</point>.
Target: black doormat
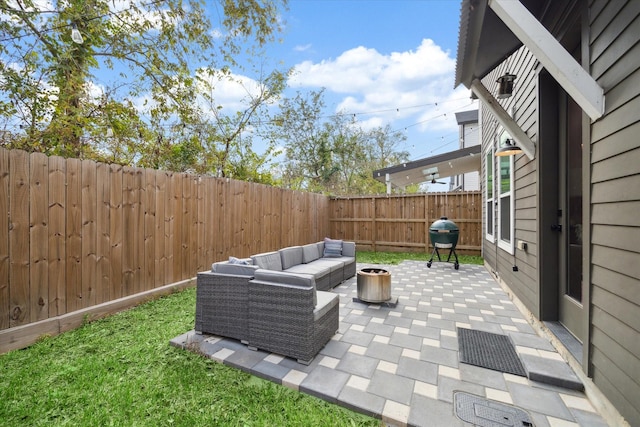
<point>488,350</point>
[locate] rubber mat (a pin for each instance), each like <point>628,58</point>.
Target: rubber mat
<point>489,350</point>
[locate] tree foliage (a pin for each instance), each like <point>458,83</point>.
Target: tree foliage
<point>334,155</point>
<point>53,94</point>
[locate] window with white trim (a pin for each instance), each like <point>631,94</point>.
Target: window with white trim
<point>489,195</point>
<point>505,198</point>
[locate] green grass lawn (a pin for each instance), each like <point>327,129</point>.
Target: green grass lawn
<point>392,258</point>
<point>121,371</point>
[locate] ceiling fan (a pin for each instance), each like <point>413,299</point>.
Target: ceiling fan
<point>433,179</point>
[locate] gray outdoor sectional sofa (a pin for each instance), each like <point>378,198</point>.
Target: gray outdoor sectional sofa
<point>277,301</point>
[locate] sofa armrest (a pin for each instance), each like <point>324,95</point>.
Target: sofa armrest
<point>221,304</point>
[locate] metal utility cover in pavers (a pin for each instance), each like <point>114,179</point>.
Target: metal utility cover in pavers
<point>486,413</point>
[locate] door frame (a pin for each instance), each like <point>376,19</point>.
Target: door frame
<point>549,266</point>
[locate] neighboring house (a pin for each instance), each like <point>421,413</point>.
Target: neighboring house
<point>469,136</point>
<point>562,219</point>
<point>462,165</point>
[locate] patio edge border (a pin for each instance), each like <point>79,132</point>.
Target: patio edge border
<point>23,336</point>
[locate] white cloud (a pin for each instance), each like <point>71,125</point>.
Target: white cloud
<point>364,80</point>
<point>232,92</point>
<point>302,48</point>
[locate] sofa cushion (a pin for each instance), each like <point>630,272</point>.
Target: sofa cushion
<point>349,249</point>
<point>320,246</point>
<point>315,269</point>
<point>285,278</point>
<point>294,279</point>
<point>325,302</point>
<point>290,256</point>
<point>268,260</point>
<point>332,248</point>
<point>310,253</point>
<point>226,267</point>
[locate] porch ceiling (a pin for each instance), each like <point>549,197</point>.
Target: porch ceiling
<point>484,41</point>
<point>441,166</point>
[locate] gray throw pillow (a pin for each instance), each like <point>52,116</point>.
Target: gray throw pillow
<point>332,248</point>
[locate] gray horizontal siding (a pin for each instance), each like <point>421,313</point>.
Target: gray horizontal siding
<point>524,282</point>
<point>615,205</point>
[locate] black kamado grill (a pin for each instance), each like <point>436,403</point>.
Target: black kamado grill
<point>444,235</point>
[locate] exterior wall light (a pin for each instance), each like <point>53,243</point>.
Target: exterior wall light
<point>505,89</point>
<point>508,149</point>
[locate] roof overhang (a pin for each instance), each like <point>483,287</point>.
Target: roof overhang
<point>491,30</point>
<point>441,166</point>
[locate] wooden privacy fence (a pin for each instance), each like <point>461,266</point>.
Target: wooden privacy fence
<point>80,238</point>
<point>76,233</point>
<point>401,223</point>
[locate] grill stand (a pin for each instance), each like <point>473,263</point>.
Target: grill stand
<point>452,251</point>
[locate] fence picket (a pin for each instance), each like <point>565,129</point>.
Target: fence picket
<point>4,240</point>
<point>19,238</point>
<point>38,237</point>
<point>89,232</point>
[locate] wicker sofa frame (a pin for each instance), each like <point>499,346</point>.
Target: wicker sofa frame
<point>284,319</point>
<point>282,311</point>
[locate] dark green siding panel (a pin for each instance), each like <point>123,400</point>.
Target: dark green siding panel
<point>620,142</point>
<point>623,238</point>
<point>626,339</point>
<point>624,286</point>
<point>608,379</point>
<point>622,213</point>
<point>615,18</point>
<point>622,309</point>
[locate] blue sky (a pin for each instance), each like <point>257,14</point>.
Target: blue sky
<point>386,61</point>
<point>393,57</point>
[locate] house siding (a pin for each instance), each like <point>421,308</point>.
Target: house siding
<point>610,52</point>
<point>523,108</point>
<point>614,49</point>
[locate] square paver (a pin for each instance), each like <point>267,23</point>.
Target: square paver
<point>356,364</point>
<point>418,370</point>
<point>394,387</point>
<point>432,412</point>
<point>324,383</point>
